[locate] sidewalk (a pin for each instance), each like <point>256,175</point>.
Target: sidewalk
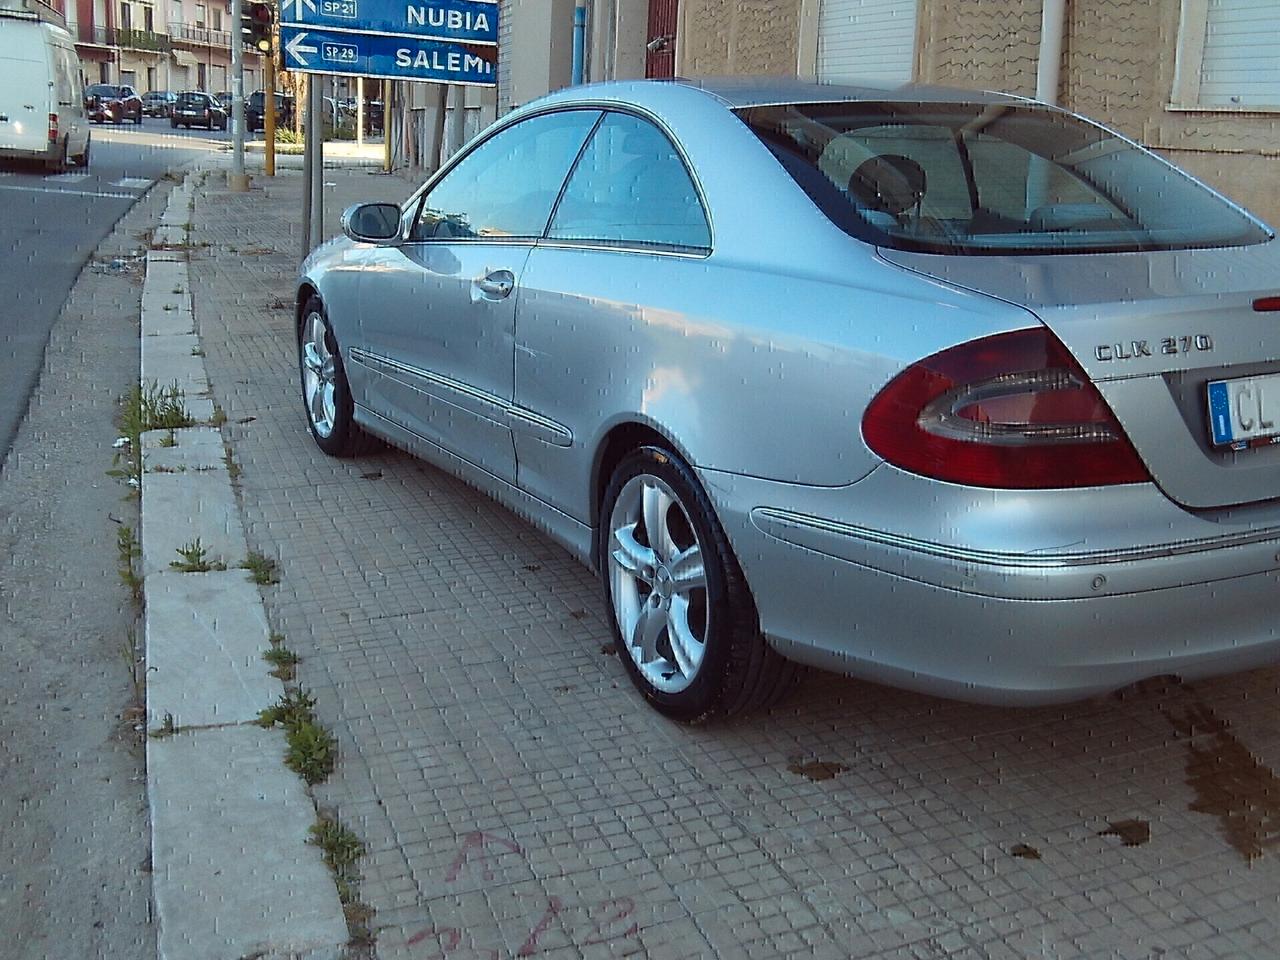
<point>517,799</point>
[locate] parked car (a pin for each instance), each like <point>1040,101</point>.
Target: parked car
<point>158,103</point>
<point>198,109</point>
<point>42,114</point>
<point>112,103</point>
<point>950,390</point>
<point>253,110</point>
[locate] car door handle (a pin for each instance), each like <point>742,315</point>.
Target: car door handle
<point>496,284</point>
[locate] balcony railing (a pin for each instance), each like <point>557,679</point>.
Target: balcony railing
<point>142,40</point>
<point>186,33</point>
<point>115,37</point>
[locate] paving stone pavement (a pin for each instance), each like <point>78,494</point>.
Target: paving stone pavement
<point>518,799</point>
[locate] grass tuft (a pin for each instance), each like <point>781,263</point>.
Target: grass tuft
<point>194,558</point>
<point>262,569</point>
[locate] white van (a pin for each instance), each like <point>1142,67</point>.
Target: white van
<point>41,100</point>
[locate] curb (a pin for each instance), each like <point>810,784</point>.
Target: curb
<point>233,874</point>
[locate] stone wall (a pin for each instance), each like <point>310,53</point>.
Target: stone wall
<point>719,37</point>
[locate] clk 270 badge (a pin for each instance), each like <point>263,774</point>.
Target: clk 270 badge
<point>1168,346</point>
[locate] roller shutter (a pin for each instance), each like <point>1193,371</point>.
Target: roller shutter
<point>1240,66</point>
<point>866,40</point>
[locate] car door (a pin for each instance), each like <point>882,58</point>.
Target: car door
<point>614,307</point>
<point>437,313</point>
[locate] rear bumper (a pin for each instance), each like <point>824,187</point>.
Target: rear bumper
<point>987,621</point>
<point>51,151</point>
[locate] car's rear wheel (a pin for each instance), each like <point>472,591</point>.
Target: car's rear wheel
<point>683,618</point>
<point>83,159</point>
<point>325,393</point>
<point>61,162</point>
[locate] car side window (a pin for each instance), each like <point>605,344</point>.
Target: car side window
<point>505,188</point>
<point>631,188</point>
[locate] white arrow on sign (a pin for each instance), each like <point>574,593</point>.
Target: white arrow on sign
<point>296,50</point>
<point>297,7</point>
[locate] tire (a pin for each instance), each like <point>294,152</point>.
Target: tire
<point>173,124</point>
<point>326,396</point>
<point>60,164</point>
<point>690,581</point>
<point>82,161</point>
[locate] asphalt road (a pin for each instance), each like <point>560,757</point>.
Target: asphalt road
<point>49,227</point>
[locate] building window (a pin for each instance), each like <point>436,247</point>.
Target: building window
<point>1226,56</point>
<point>148,20</point>
<point>200,15</point>
<point>126,17</point>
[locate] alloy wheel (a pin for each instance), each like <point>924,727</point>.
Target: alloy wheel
<point>318,375</point>
<point>658,584</point>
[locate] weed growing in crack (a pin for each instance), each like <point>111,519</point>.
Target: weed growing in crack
<point>311,748</point>
<point>341,849</point>
<point>195,559</point>
<point>262,569</point>
<point>167,728</point>
<point>128,550</point>
<point>284,661</point>
<point>146,407</point>
<point>129,651</point>
<point>169,440</point>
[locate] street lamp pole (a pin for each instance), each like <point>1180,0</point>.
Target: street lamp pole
<point>237,181</point>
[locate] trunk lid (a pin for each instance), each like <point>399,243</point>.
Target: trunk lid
<point>1152,330</point>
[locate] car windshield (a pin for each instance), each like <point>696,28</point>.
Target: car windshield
<point>102,90</point>
<point>991,178</point>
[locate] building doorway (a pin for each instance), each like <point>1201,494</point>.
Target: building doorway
<point>660,41</point>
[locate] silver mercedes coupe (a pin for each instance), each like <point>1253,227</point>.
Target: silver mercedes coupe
<point>954,391</point>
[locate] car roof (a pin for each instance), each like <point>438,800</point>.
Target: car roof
<point>741,92</point>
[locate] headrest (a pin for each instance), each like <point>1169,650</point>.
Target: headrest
<point>890,183</point>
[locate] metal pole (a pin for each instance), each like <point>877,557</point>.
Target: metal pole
<point>579,42</point>
<point>237,181</point>
<point>300,107</point>
<point>386,126</point>
<point>359,111</point>
<point>269,114</point>
<point>315,145</point>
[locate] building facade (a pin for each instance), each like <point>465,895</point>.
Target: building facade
<point>158,44</point>
<point>1197,80</point>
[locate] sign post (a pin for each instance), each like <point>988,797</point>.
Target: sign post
<point>437,41</point>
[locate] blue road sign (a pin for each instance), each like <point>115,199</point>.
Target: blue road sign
<point>309,50</point>
<point>469,21</point>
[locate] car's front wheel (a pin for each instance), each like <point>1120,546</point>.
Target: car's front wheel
<point>325,392</point>
<point>683,618</point>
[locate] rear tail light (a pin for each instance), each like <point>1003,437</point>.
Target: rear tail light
<point>53,127</point>
<point>1013,411</point>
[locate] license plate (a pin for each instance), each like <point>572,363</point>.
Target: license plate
<point>1244,410</point>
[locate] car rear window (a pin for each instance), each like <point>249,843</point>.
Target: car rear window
<point>991,178</point>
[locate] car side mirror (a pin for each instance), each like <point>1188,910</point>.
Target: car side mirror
<point>373,223</point>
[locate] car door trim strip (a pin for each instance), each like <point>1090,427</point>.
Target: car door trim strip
<point>517,418</point>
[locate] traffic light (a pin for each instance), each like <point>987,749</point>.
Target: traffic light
<point>255,26</point>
